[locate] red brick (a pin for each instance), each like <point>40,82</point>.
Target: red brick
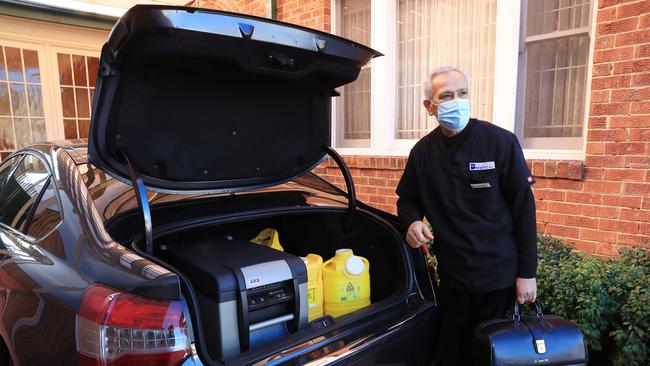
<point>538,168</point>
<point>606,3</point>
<point>613,54</point>
<point>606,15</point>
<point>640,79</point>
<point>624,148</point>
<point>637,188</point>
<point>604,161</point>
<point>607,224</point>
<point>642,51</point>
<point>567,208</point>
<point>607,249</point>
<point>640,107</point>
<point>640,134</point>
<point>632,94</point>
<point>607,135</point>
<point>594,173</point>
<point>602,186</point>
<point>622,201</point>
<point>576,170</point>
<point>541,205</point>
<point>634,66</point>
<point>644,228</point>
<point>617,26</point>
<point>597,235</point>
<point>600,211</point>
<point>636,37</point>
<point>644,22</point>
<point>604,43</point>
<point>597,122</point>
<point>634,9</point>
<point>628,227</point>
<point>639,162</point>
<point>550,168</point>
<point>602,69</point>
<point>635,215</point>
<point>562,231</point>
<point>581,221</point>
<point>585,246</point>
<point>610,82</point>
<point>581,197</point>
<point>609,108</point>
<point>595,148</point>
<point>599,96</point>
<point>632,240</point>
<point>574,185</point>
<point>549,195</point>
<point>624,175</point>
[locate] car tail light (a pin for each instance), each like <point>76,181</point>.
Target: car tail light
<point>117,328</point>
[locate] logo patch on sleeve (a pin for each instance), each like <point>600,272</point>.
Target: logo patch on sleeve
<point>486,165</point>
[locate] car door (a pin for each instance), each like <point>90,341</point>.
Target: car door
<point>29,212</point>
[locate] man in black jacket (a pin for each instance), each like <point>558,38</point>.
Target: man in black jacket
<point>471,182</point>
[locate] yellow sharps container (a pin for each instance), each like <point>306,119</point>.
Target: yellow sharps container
<point>346,283</point>
<point>314,263</point>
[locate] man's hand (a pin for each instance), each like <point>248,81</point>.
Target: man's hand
<point>418,234</point>
<point>526,289</point>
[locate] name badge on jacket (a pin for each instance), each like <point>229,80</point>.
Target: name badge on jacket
<point>486,165</point>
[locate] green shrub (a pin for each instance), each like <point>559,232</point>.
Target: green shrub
<point>609,299</point>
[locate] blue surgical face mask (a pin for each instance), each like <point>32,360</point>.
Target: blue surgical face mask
<point>454,114</point>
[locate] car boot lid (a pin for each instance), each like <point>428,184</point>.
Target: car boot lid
<point>194,100</point>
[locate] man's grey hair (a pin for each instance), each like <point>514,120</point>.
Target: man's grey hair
<point>428,87</point>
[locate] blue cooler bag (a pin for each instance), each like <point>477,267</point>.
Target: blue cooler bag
<point>529,340</point>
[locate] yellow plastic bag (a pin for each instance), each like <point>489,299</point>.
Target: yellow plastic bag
<point>269,237</point>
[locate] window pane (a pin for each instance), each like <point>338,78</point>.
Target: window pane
<point>23,132</point>
<point>14,64</point>
<point>93,65</point>
<point>18,99</point>
<point>79,67</point>
<point>47,214</point>
<point>32,71</point>
<point>3,68</point>
<point>547,16</point>
<point>21,190</point>
<point>70,128</point>
<point>39,133</point>
<point>67,99</point>
<point>5,107</point>
<point>65,69</point>
<point>434,33</point>
<point>7,141</point>
<point>555,87</point>
<point>35,100</point>
<point>355,24</point>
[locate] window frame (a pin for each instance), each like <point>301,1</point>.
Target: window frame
<point>563,152</point>
<point>50,179</point>
<point>505,112</point>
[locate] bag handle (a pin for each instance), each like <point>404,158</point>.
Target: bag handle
<point>516,313</point>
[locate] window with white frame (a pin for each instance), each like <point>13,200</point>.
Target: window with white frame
<point>432,33</point>
<point>353,109</point>
<point>553,73</point>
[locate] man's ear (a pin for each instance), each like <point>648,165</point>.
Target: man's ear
<point>430,107</point>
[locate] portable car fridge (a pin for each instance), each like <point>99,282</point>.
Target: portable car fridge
<point>250,294</point>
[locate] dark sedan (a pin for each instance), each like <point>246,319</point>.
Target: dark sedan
<point>133,248</point>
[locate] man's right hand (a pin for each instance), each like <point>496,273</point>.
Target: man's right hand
<point>418,234</point>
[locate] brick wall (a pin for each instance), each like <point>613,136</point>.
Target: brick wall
<point>309,13</point>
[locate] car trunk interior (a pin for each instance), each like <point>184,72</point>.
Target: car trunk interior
<point>300,233</point>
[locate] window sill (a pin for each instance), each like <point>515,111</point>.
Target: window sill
<point>558,169</point>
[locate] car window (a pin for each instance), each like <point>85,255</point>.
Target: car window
<point>46,215</point>
<point>21,191</point>
<point>7,168</point>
